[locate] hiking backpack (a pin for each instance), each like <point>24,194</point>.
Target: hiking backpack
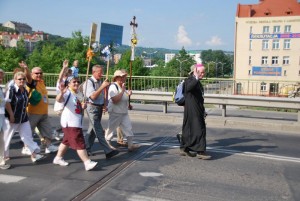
<point>179,94</point>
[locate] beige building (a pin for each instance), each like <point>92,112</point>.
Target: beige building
<point>20,27</point>
<point>267,48</point>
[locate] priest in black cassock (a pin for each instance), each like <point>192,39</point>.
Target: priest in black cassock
<point>194,128</point>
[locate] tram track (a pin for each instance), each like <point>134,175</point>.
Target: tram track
<point>103,181</point>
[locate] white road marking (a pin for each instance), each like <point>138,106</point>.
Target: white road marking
<point>245,153</point>
<point>4,178</point>
<point>150,174</point>
<point>144,198</point>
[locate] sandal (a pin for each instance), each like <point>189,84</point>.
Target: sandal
<point>121,143</point>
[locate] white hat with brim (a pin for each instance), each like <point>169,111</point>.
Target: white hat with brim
<point>118,73</point>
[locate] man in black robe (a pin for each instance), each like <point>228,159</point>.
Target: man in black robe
<point>194,128</point>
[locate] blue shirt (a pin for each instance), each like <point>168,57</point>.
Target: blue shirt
<point>75,71</point>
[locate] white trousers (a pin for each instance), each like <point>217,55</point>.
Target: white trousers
<point>115,120</point>
<point>25,134</point>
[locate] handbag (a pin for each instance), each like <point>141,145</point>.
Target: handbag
<point>35,97</point>
<point>59,107</point>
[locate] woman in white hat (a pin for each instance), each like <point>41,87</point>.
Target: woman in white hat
<point>118,98</point>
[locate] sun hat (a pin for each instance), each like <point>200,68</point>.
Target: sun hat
<point>118,73</point>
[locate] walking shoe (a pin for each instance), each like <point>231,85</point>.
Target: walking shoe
<point>36,158</point>
<point>203,156</point>
<point>133,147</point>
<point>51,149</point>
<point>111,154</point>
<point>89,165</point>
<point>56,135</point>
<point>26,151</point>
<point>60,161</point>
<point>89,153</point>
<point>187,153</point>
<point>5,166</point>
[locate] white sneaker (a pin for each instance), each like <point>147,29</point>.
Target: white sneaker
<point>26,151</point>
<point>50,149</point>
<point>89,165</point>
<point>57,135</point>
<point>60,161</point>
<point>37,158</point>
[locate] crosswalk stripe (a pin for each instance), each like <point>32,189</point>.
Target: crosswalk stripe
<point>4,178</point>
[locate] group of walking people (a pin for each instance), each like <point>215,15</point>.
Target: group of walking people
<point>24,107</point>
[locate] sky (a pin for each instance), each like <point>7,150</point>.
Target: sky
<point>171,24</point>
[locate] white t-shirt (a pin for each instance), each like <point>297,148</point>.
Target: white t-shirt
<point>122,106</point>
<point>72,113</point>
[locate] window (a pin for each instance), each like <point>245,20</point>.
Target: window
<point>251,30</point>
<point>264,60</point>
<point>249,72</point>
<point>250,45</point>
<point>287,28</point>
<point>265,44</point>
<point>284,72</point>
<point>275,45</point>
<point>286,60</point>
<point>263,86</point>
<point>274,60</point>
<point>276,29</point>
<point>250,60</point>
<point>287,44</point>
<point>266,29</point>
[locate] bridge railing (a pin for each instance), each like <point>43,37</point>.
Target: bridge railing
<point>166,98</point>
<point>211,85</point>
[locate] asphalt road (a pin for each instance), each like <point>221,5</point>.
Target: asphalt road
<point>246,165</point>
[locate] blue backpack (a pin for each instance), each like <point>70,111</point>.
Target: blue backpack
<point>179,94</point>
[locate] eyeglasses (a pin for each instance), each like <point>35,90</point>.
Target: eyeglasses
<point>21,79</point>
<point>76,82</point>
<point>39,73</point>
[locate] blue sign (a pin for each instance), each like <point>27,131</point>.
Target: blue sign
<point>274,36</point>
<point>266,71</point>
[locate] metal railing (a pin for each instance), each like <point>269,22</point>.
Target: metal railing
<point>211,85</point>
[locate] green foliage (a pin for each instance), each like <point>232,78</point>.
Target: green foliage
<point>138,68</point>
<point>225,61</point>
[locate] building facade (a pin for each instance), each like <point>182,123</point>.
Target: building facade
<point>111,33</point>
<point>267,48</point>
<point>20,27</point>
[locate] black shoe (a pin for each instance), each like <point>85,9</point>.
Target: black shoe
<point>187,153</point>
<point>89,153</point>
<point>111,154</point>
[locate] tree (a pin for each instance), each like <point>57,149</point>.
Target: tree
<point>217,60</point>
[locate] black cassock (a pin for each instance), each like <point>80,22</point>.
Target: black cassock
<point>193,128</point>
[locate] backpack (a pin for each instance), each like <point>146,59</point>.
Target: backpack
<point>80,88</point>
<point>179,94</point>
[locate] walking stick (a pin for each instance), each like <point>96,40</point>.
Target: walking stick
<point>89,55</point>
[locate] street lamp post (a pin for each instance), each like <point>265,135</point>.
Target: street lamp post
<point>222,68</point>
<point>181,65</point>
<point>150,55</point>
<point>211,62</point>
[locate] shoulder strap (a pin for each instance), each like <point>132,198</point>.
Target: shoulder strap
<point>67,99</point>
<point>92,82</point>
<point>116,86</point>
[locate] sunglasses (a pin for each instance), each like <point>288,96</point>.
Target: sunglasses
<point>40,73</point>
<point>21,79</point>
<point>76,82</point>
